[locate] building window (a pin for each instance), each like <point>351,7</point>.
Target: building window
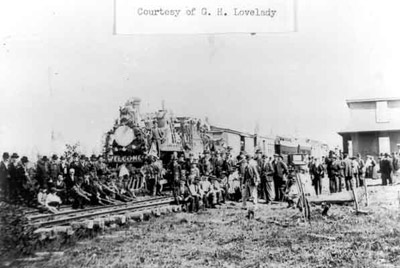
<point>382,112</point>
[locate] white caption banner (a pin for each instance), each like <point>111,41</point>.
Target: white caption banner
<point>204,16</point>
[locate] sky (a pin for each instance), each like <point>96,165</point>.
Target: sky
<point>63,70</point>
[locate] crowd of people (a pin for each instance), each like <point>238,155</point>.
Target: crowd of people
<point>343,170</point>
<point>77,181</point>
<point>197,183</point>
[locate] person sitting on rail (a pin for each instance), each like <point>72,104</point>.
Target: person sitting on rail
<point>109,193</point>
<point>197,195</point>
<point>105,192</point>
<point>184,197</point>
<point>80,197</point>
<point>41,199</point>
<point>53,201</point>
<point>89,187</point>
<point>115,190</point>
<point>100,194</point>
<point>126,186</point>
<point>70,182</point>
<point>122,191</point>
<point>61,187</point>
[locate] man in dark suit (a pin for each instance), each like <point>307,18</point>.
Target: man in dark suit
<point>280,171</point>
<point>43,172</point>
<point>189,162</point>
<point>386,167</point>
<point>70,181</point>
<point>317,173</point>
<point>24,188</point>
<point>75,164</point>
<point>218,165</point>
<point>347,171</point>
<point>361,170</point>
<point>54,167</point>
<point>267,172</point>
<point>4,178</point>
<point>63,166</point>
<point>260,161</point>
<point>251,180</point>
<point>157,136</point>
<point>12,169</point>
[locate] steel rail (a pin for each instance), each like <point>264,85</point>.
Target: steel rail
<point>135,207</point>
<point>96,208</point>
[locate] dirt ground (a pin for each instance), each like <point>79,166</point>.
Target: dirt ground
<point>276,237</point>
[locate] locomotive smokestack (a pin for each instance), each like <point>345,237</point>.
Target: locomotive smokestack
<point>136,104</point>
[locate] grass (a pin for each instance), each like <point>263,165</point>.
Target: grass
<point>224,237</point>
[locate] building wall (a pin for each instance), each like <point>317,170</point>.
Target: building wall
<point>367,143</point>
<point>364,116</point>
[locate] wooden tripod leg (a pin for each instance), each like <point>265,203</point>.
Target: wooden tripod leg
<point>355,198</point>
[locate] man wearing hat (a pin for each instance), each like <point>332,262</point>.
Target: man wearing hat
<point>206,188</point>
<point>63,166</point>
<point>280,172</point>
<point>54,167</point>
<point>348,171</point>
<point>251,179</point>
<point>43,171</point>
<point>267,172</point>
<point>258,158</point>
<point>12,169</point>
<point>176,170</point>
<point>361,170</point>
<point>214,194</point>
<point>197,194</point>
<point>150,174</point>
<point>93,165</point>
<point>4,177</point>
<point>184,197</point>
<point>24,186</point>
<point>241,166</point>
<point>329,160</point>
<point>229,163</point>
<point>386,168</point>
<point>205,164</point>
<point>157,136</point>
<point>338,173</point>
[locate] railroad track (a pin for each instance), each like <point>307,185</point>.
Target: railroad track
<point>66,217</point>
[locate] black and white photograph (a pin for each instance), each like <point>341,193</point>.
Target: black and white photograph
<point>199,133</point>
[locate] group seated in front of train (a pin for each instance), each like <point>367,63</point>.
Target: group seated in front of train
<point>77,181</point>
